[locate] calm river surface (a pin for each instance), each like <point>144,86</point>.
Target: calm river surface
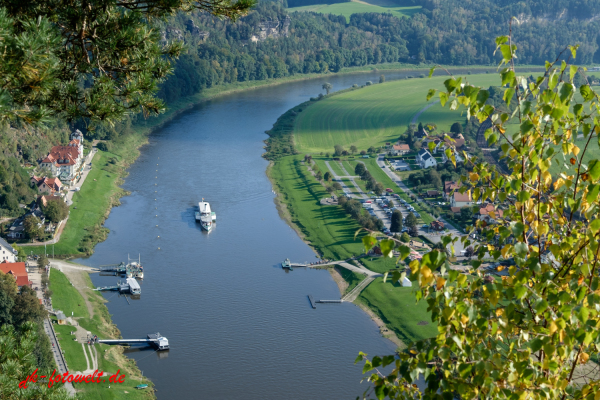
<point>238,325</point>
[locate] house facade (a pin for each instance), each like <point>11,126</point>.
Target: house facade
<point>46,185</point>
<point>7,253</point>
<point>457,157</point>
<point>425,159</point>
<point>461,199</point>
<point>489,214</point>
<point>65,162</point>
<point>400,149</point>
<point>449,186</point>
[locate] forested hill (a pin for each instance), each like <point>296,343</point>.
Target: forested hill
<point>270,43</point>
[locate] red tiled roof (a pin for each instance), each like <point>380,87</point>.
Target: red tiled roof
<point>462,197</point>
<point>23,281</point>
<point>450,186</point>
<point>437,225</point>
<point>17,270</point>
<point>455,209</point>
<point>64,155</point>
<point>401,147</point>
<point>489,208</point>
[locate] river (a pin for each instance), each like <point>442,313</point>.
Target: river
<point>239,326</point>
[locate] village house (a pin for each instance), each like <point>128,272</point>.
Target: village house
<point>420,134</point>
<point>449,186</point>
<point>459,199</point>
<point>425,159</point>
<point>442,145</point>
<point>437,225</point>
<point>17,229</point>
<point>433,193</point>
<point>7,253</point>
<point>46,185</point>
<point>400,149</point>
<point>489,214</point>
<point>18,271</point>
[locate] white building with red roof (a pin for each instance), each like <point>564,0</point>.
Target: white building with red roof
<point>7,253</point>
<point>65,161</point>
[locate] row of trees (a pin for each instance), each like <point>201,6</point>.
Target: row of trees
<point>356,211</point>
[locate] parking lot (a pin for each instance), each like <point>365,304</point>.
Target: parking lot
<point>379,207</point>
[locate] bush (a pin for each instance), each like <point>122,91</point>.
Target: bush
<point>368,83</point>
<point>102,146</point>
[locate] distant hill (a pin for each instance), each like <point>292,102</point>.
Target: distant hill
<point>363,6</point>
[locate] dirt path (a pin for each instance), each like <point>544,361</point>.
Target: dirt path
<point>76,275</point>
<point>415,119</point>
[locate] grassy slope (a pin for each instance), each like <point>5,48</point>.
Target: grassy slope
<point>328,228</point>
<point>347,9</point>
<point>396,306</point>
<point>371,116</point>
<point>65,297</point>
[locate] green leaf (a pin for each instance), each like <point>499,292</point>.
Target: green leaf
<point>584,313</point>
<point>430,94</point>
<point>521,249</point>
<point>404,252</point>
<point>541,306</point>
<point>572,71</point>
<point>387,247</point>
<point>508,95</point>
<point>595,226</point>
<point>587,92</point>
<point>431,71</point>
<point>443,98</point>
<point>520,291</point>
<point>369,241</point>
<point>482,97</point>
<point>450,85</point>
<point>594,170</point>
<point>379,392</point>
<point>592,195</point>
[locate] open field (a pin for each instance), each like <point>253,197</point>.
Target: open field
<point>355,7</point>
<point>65,297</point>
<point>395,305</point>
<point>328,228</point>
<point>373,115</point>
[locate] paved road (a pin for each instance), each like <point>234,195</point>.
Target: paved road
<point>58,357</point>
<point>434,237</point>
<point>415,119</point>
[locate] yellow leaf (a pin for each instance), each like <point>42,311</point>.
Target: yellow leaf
<point>499,312</point>
<point>464,319</point>
<point>506,250</point>
<point>553,327</point>
<point>426,276</point>
<point>584,357</point>
<point>500,268</point>
<point>473,176</point>
<point>546,177</point>
<point>440,282</point>
<point>559,182</point>
<point>575,150</point>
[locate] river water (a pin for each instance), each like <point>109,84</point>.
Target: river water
<point>239,326</point>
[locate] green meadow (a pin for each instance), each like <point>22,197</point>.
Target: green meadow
<point>355,7</point>
<point>375,114</point>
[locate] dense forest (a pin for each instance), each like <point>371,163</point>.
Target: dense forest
<point>267,44</point>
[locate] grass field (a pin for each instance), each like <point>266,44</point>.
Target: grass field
<point>373,115</point>
<point>355,7</point>
<point>328,228</point>
<point>395,305</point>
<point>65,297</point>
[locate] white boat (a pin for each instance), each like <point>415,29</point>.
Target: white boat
<point>205,216</point>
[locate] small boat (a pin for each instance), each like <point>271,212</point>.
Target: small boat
<point>205,216</point>
<point>142,386</point>
<point>287,264</point>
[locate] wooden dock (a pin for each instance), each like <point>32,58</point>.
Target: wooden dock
<point>312,301</point>
<point>330,301</point>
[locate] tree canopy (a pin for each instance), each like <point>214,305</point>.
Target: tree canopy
<point>530,328</point>
<point>98,59</point>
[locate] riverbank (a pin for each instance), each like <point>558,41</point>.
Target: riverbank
<point>73,294</point>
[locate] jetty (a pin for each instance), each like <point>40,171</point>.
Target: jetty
<point>130,286</point>
<point>154,339</point>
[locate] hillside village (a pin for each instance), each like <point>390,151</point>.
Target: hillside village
<point>57,176</point>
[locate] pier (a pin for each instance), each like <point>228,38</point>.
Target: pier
<point>153,339</point>
<point>129,286</point>
<point>312,301</point>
